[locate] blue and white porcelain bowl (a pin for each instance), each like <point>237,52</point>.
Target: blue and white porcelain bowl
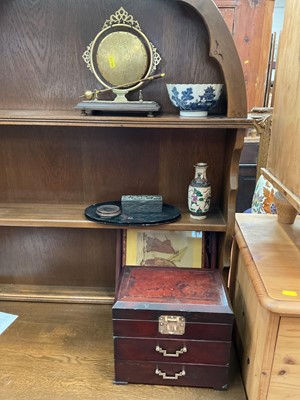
<point>194,100</point>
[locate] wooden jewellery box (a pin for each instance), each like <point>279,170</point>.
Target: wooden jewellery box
<point>172,326</point>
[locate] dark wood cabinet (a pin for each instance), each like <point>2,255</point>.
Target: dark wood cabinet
<point>174,311</point>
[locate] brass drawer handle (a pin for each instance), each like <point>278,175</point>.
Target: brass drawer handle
<point>176,354</point>
<point>165,376</point>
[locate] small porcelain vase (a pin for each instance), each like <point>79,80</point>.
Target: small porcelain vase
<point>199,193</point>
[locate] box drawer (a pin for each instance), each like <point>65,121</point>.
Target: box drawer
<point>198,331</point>
<point>175,351</point>
<point>210,376</point>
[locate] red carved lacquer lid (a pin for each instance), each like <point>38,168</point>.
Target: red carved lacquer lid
<point>181,289</point>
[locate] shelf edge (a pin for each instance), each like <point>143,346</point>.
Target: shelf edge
<point>56,294</point>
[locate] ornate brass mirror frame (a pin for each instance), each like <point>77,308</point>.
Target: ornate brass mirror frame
<point>121,58</point>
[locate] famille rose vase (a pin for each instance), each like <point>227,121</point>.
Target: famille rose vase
<point>199,193</point>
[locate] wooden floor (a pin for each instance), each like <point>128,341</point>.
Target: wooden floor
<point>65,352</point>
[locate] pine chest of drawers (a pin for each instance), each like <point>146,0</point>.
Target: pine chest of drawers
<point>172,326</point>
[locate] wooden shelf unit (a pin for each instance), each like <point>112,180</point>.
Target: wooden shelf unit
<point>55,162</point>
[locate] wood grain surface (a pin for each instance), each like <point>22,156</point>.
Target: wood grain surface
<point>223,50</point>
<point>57,294</point>
<point>65,352</point>
<point>59,257</point>
<point>74,118</point>
<point>37,45</point>
<point>266,304</point>
<point>72,216</point>
<point>250,23</point>
<point>86,166</point>
<point>51,155</point>
<point>273,254</point>
<point>205,352</point>
<point>284,152</point>
<point>255,333</point>
<point>251,29</point>
<point>77,166</point>
<point>286,367</point>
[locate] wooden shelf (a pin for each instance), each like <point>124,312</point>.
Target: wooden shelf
<point>73,118</point>
<point>72,216</point>
<point>57,294</point>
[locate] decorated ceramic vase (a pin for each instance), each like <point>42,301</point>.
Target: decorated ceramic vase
<point>199,193</point>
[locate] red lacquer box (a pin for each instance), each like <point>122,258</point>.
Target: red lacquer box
<point>172,326</point>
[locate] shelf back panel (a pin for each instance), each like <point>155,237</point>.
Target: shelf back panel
<point>42,45</point>
<point>88,165</point>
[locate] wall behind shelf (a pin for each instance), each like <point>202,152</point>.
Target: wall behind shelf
<point>61,257</point>
<point>86,165</point>
<point>43,43</point>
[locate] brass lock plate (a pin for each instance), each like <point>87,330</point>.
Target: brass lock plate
<point>171,325</point>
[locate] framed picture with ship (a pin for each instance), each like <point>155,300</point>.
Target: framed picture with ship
<point>163,248</point>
